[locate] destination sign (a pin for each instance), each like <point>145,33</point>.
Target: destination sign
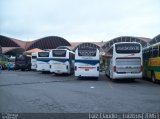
<point>127,48</point>
<point>87,51</point>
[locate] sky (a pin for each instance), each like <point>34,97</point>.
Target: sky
<point>79,20</point>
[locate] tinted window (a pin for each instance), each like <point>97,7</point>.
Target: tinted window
<point>155,51</point>
<point>87,51</point>
<point>59,53</point>
<point>127,48</point>
<point>150,52</point>
<point>34,57</point>
<point>20,57</point>
<point>43,54</point>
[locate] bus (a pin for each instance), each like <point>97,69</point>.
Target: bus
<point>23,62</point>
<point>33,60</point>
<point>42,63</point>
<point>62,61</point>
<point>124,61</point>
<point>151,56</point>
<point>87,62</point>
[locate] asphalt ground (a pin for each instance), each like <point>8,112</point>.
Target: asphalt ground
<point>35,92</point>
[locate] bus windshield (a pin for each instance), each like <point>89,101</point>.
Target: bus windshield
<point>87,52</point>
<point>43,54</point>
<point>127,48</point>
<point>59,53</point>
<point>34,57</point>
<point>20,58</point>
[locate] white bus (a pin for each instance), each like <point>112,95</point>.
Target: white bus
<point>125,61</point>
<point>43,61</point>
<point>62,61</point>
<point>87,62</point>
<point>33,60</point>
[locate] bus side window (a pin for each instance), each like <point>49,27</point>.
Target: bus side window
<point>144,54</point>
<point>147,54</point>
<point>155,51</point>
<point>150,53</point>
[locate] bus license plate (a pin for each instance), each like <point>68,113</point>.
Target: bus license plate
<point>86,69</point>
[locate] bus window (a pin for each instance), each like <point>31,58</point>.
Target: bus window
<point>150,52</point>
<point>145,54</point>
<point>43,54</point>
<point>155,51</point>
<point>34,57</point>
<point>59,53</point>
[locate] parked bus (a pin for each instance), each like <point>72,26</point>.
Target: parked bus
<point>151,56</point>
<point>87,62</point>
<point>23,62</point>
<point>33,61</point>
<point>125,61</point>
<point>42,63</point>
<point>62,61</point>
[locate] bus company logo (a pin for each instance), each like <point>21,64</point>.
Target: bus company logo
<point>154,62</point>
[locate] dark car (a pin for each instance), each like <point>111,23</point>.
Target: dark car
<point>23,62</point>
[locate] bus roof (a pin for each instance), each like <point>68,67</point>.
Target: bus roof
<point>63,49</point>
<point>156,44</point>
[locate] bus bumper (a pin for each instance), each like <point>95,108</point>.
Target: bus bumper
<point>128,76</point>
<point>86,74</point>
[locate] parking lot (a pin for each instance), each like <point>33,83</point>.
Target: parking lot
<point>30,91</point>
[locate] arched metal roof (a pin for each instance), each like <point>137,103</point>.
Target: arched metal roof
<point>12,50</point>
<point>11,42</point>
<point>156,39</point>
<point>50,42</point>
<point>8,42</point>
<point>92,45</point>
<point>141,40</point>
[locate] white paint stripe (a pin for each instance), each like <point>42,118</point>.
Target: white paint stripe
<point>109,84</point>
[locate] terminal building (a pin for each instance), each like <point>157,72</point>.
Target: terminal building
<point>11,46</point>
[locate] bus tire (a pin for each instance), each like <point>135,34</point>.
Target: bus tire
<point>110,76</point>
<point>96,78</point>
<point>153,78</point>
<point>133,80</point>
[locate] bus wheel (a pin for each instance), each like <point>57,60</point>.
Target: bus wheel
<point>153,77</point>
<point>110,77</point>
